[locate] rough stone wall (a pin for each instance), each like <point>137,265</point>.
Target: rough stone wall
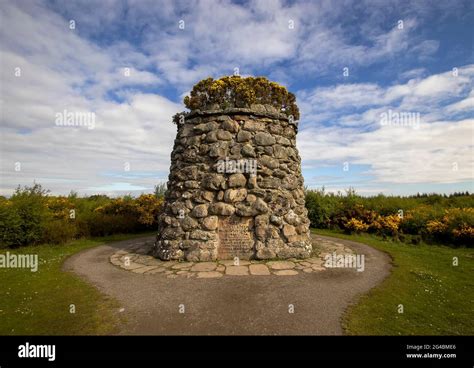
<point>235,188</point>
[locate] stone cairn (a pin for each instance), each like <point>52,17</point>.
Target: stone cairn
<point>235,187</point>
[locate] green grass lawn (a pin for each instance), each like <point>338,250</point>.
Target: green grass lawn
<point>437,297</point>
<point>39,303</point>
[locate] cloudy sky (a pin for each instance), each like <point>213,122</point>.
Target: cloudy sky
<point>385,88</point>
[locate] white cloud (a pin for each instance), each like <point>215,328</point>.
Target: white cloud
<point>344,95</point>
<point>464,105</point>
<point>222,34</point>
<point>60,71</point>
<point>413,73</point>
<point>439,150</point>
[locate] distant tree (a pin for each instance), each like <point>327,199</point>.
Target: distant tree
<point>72,194</point>
<point>95,197</point>
<point>160,190</point>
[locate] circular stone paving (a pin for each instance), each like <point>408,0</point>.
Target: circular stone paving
<point>137,259</point>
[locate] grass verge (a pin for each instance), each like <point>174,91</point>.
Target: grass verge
<point>40,303</point>
<point>437,296</point>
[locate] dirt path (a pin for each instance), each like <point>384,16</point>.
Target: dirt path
<point>231,305</point>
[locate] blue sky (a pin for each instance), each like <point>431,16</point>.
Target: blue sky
<point>130,63</point>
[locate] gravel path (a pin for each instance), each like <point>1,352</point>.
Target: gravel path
<point>302,304</point>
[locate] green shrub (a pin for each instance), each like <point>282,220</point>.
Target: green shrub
<point>29,204</point>
<point>321,207</point>
<point>434,218</point>
<point>31,216</point>
<point>104,224</point>
<point>10,225</point>
<point>59,232</point>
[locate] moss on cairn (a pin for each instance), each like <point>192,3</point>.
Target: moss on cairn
<point>234,91</point>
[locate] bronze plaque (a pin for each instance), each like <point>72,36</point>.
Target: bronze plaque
<point>235,238</point>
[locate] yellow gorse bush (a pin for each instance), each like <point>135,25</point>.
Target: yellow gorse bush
<point>436,226</point>
<point>235,91</point>
<point>355,225</point>
<point>456,222</point>
<point>145,208</point>
<point>464,232</point>
<point>59,207</point>
<point>390,223</point>
<point>148,207</point>
<point>32,216</point>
